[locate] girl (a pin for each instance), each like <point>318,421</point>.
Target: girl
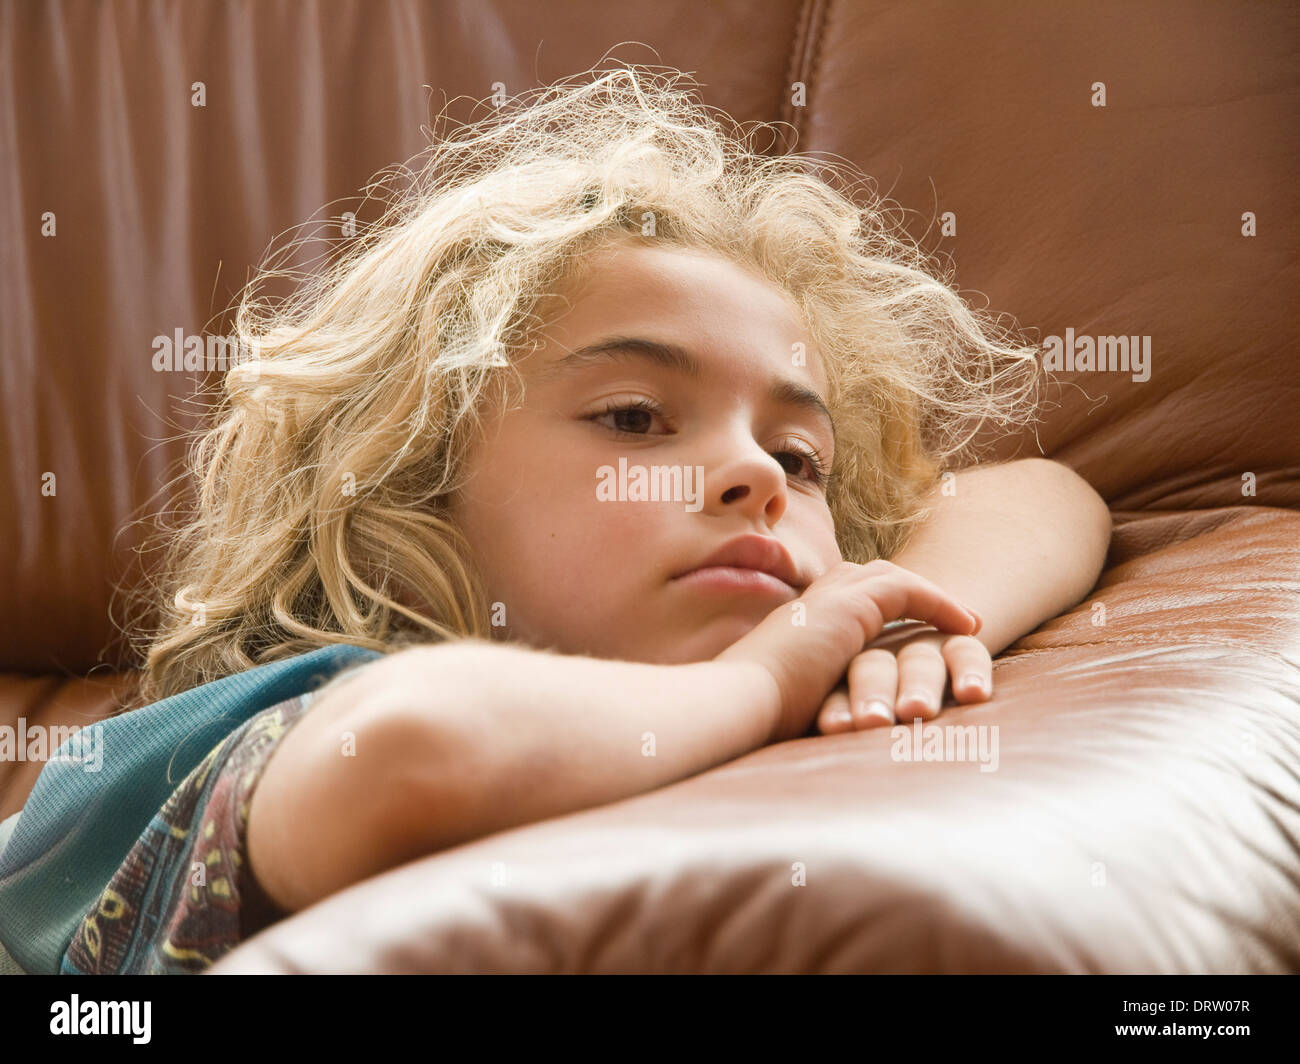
<point>407,487</point>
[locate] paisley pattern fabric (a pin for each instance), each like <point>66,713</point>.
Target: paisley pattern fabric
<point>183,897</point>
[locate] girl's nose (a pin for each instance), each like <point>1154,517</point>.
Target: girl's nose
<point>754,483</point>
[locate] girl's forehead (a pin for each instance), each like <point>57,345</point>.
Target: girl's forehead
<point>684,298</point>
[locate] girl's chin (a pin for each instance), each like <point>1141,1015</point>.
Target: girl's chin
<point>689,644</point>
<point>703,645</point>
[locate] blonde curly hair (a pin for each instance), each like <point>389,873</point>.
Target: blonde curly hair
<point>321,480</point>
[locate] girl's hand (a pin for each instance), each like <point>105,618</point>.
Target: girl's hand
<point>808,645</point>
<point>903,675</point>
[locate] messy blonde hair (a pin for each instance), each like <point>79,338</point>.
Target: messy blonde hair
<point>322,479</point>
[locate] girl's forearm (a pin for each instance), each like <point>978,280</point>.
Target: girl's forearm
<point>1019,542</point>
<point>455,741</point>
<point>524,735</point>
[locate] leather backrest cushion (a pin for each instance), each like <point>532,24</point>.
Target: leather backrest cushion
<point>1123,220</point>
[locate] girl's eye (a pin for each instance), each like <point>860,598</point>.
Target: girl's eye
<point>818,473</point>
<point>633,417</point>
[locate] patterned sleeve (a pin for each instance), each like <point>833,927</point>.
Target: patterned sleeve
<point>183,897</point>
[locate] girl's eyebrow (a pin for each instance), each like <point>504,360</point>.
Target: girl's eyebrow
<point>782,390</point>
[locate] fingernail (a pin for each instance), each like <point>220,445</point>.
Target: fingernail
<point>838,716</point>
<point>878,709</point>
<point>919,698</point>
<point>976,681</point>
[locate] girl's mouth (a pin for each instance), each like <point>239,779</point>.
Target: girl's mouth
<point>733,578</point>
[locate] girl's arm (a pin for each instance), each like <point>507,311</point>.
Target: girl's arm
<point>435,746</point>
<point>1019,543</point>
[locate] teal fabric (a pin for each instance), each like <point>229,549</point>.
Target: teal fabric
<point>78,826</point>
<point>8,966</point>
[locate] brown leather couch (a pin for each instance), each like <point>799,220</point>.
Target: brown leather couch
<point>1145,812</point>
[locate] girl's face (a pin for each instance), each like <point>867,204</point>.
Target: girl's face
<point>582,514</point>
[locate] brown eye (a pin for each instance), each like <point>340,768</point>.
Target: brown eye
<point>817,473</point>
<point>633,417</point>
<point>793,459</point>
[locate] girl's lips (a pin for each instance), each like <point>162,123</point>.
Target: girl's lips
<point>733,578</point>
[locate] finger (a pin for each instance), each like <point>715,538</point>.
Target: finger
<point>971,668</point>
<point>900,593</point>
<point>922,677</point>
<point>873,685</point>
<point>834,716</point>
